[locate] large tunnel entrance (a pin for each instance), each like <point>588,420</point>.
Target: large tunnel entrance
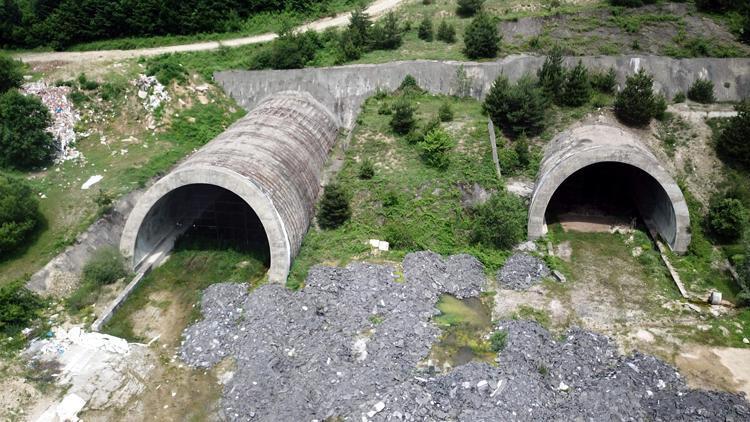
<point>606,194</point>
<point>202,216</point>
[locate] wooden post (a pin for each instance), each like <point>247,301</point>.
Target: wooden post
<point>491,129</point>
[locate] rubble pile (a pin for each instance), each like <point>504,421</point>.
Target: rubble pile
<point>151,92</point>
<point>64,115</point>
<point>348,344</point>
<point>521,271</point>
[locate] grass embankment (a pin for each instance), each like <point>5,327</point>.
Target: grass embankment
<point>120,148</point>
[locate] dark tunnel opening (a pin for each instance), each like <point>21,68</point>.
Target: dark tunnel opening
<point>205,217</point>
<point>607,194</point>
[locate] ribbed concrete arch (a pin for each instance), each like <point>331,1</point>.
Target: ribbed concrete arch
<point>664,209</point>
<point>272,159</point>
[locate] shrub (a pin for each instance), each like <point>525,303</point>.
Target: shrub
<point>402,120</point>
<point>334,207</point>
<point>552,75</point>
<point>446,32</point>
<point>521,147</point>
<point>385,109</point>
<point>445,113</point>
<point>409,84</point>
<point>469,7</point>
<point>518,108</point>
<point>10,73</point>
<point>481,38</point>
<point>366,170</point>
<point>18,307</point>
<point>702,91</point>
<point>19,212</point>
<point>577,91</point>
<point>727,218</point>
<point>425,30</point>
<point>435,148</point>
<point>289,51</point>
<point>166,69</point>
<point>604,82</point>
<point>498,341</point>
<point>660,107</point>
<point>733,141</point>
<point>500,222</point>
<point>112,91</point>
<point>636,104</point>
<point>679,98</point>
<point>85,84</point>
<point>347,48</point>
<point>399,236</point>
<point>386,35</point>
<point>105,266</point>
<point>24,140</point>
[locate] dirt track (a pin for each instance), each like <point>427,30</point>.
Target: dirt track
<point>377,8</point>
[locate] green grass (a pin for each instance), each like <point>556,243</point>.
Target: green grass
<point>187,272</point>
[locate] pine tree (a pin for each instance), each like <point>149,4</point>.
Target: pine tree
<point>552,75</point>
<point>446,32</point>
<point>481,38</point>
<point>360,26</point>
<point>636,104</point>
<point>469,7</point>
<point>518,108</point>
<point>577,86</point>
<point>734,141</point>
<point>425,29</point>
<point>387,36</point>
<point>334,207</point>
<point>402,120</point>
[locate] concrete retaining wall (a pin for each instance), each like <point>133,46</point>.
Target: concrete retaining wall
<point>343,89</point>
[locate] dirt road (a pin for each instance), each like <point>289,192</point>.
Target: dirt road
<point>377,8</point>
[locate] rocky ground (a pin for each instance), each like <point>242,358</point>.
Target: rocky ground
<point>521,271</point>
<point>348,344</point>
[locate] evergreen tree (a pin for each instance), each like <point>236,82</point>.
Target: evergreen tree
<point>518,108</point>
<point>702,91</point>
<point>386,35</point>
<point>577,86</point>
<point>636,104</point>
<point>425,29</point>
<point>552,75</point>
<point>360,26</point>
<point>402,120</point>
<point>469,7</point>
<point>334,207</point>
<point>604,82</point>
<point>347,48</point>
<point>481,38</point>
<point>446,32</point>
<point>24,140</point>
<point>734,140</point>
<point>10,73</point>
<point>19,212</point>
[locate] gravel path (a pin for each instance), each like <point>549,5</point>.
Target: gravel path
<point>347,346</point>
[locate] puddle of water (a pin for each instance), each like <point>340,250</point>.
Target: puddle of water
<point>465,322</point>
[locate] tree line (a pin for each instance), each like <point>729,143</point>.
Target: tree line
<point>62,23</point>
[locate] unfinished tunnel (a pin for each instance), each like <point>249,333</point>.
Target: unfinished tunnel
<point>254,185</point>
<point>600,171</point>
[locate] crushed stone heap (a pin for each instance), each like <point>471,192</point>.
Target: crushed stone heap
<point>521,271</point>
<point>348,344</point>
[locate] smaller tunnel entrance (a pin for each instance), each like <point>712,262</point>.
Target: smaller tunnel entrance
<point>602,195</point>
<point>202,216</point>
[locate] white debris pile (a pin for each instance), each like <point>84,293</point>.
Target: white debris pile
<point>64,115</point>
<point>100,370</point>
<point>91,181</point>
<point>151,92</point>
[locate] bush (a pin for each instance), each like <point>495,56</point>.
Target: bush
<point>518,108</point>
<point>19,213</point>
<point>701,91</point>
<point>112,91</point>
<point>500,222</point>
<point>727,218</point>
<point>604,82</point>
<point>660,107</point>
<point>425,30</point>
<point>631,3</point>
<point>18,307</point>
<point>409,84</point>
<point>289,51</point>
<point>359,27</point>
<point>679,98</point>
<point>446,32</point>
<point>366,170</point>
<point>402,120</point>
<point>386,35</point>
<point>552,75</point>
<point>85,84</point>
<point>636,104</point>
<point>481,38</point>
<point>399,236</point>
<point>498,341</point>
<point>334,207</point>
<point>469,7</point>
<point>733,141</point>
<point>521,147</point>
<point>445,113</point>
<point>10,73</point>
<point>24,140</point>
<point>166,69</point>
<point>577,90</point>
<point>105,266</point>
<point>347,47</point>
<point>435,148</point>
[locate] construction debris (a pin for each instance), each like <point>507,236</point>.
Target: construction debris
<point>64,115</point>
<point>151,92</point>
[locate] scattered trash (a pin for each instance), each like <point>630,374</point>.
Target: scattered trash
<point>151,92</point>
<point>91,182</point>
<point>64,115</point>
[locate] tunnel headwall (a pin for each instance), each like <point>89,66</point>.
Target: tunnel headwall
<point>272,158</point>
<point>658,197</point>
<point>343,89</point>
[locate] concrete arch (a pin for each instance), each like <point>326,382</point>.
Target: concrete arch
<point>664,210</point>
<point>272,159</point>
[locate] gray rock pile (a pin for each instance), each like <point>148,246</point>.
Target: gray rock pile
<point>348,344</point>
<point>521,271</point>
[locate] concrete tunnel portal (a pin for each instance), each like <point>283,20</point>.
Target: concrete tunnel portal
<point>607,172</point>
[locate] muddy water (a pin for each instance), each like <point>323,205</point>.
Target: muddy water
<point>465,324</point>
